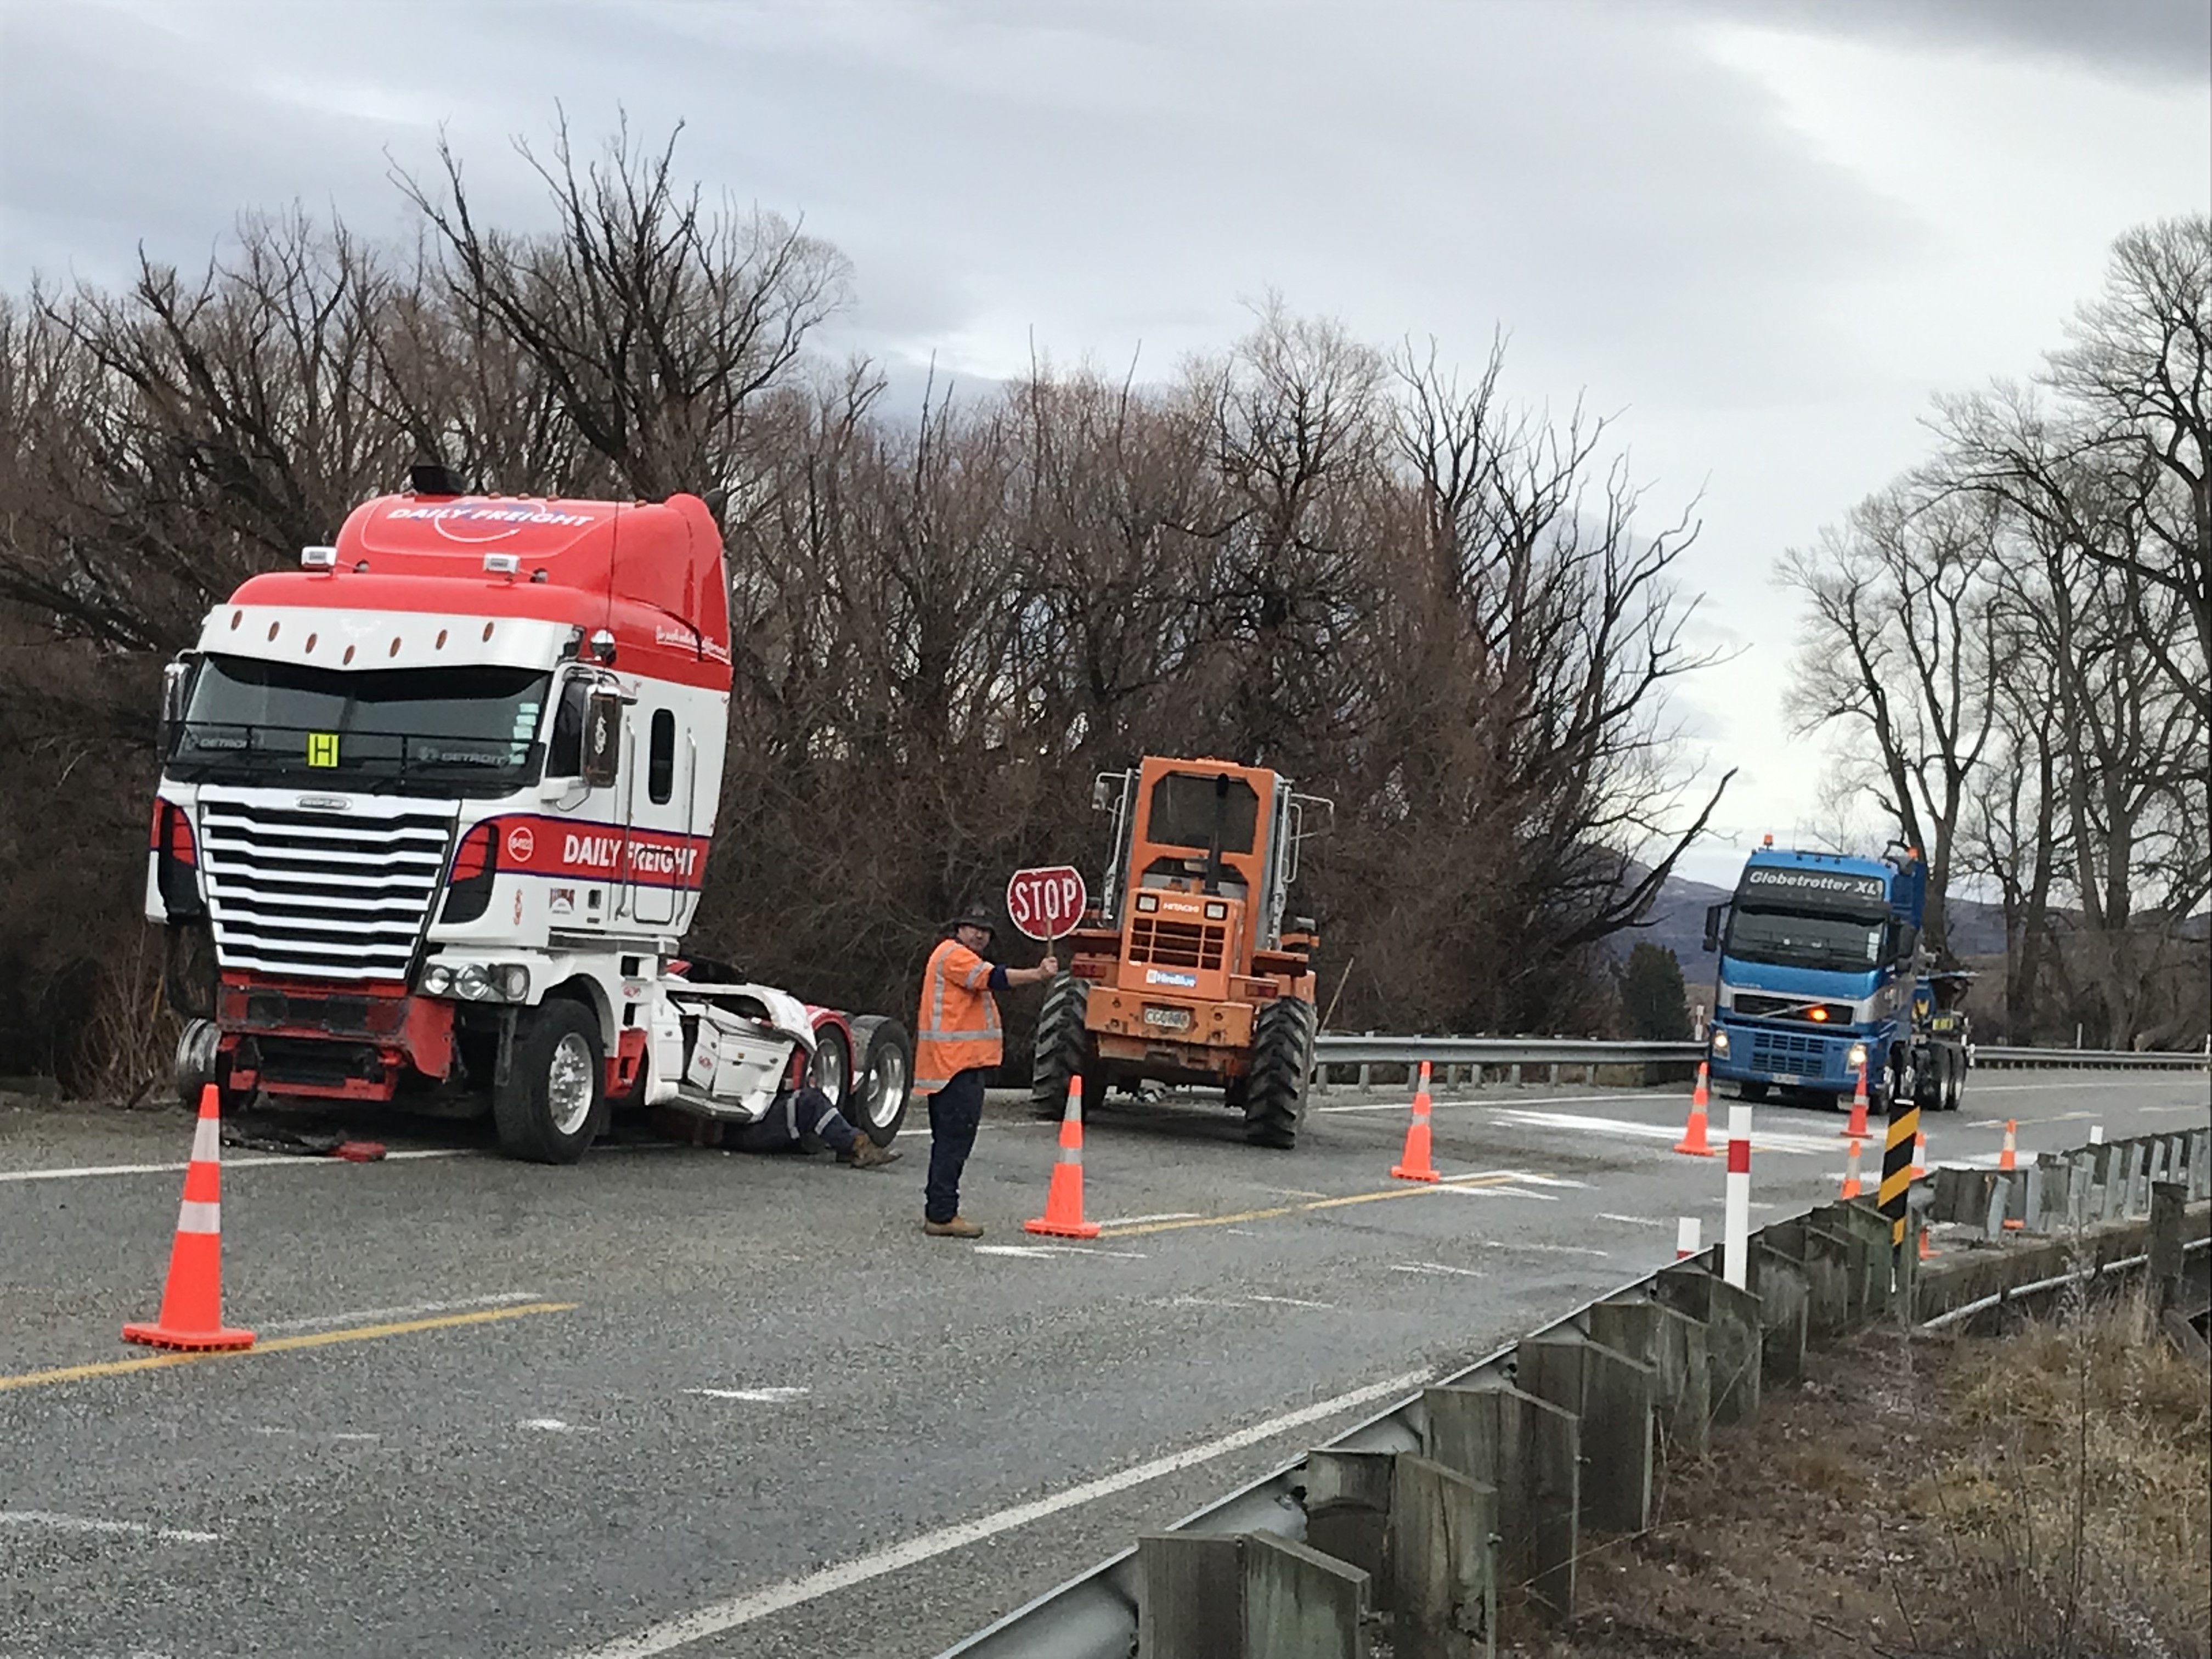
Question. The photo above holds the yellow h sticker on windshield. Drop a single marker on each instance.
(322, 749)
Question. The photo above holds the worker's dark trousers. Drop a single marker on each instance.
(955, 1112)
(800, 1112)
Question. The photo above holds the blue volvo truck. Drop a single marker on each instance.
(1821, 970)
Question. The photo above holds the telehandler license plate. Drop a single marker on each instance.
(1168, 1019)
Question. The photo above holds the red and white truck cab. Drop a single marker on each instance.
(433, 816)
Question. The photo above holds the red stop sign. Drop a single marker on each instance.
(1046, 904)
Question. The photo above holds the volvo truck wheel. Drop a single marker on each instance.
(883, 1072)
(1282, 1061)
(1061, 1050)
(549, 1107)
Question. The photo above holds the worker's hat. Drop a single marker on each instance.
(971, 918)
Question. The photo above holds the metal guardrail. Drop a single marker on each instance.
(2147, 1058)
(1353, 1049)
(1095, 1615)
(1497, 1051)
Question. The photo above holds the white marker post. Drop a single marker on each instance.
(1687, 1236)
(1736, 1230)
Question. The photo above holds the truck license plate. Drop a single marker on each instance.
(1168, 1019)
(1783, 1079)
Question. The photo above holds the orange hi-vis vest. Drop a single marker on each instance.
(958, 1026)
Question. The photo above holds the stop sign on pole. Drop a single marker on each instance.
(1046, 903)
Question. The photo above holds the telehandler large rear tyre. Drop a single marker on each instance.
(1063, 1051)
(1282, 1061)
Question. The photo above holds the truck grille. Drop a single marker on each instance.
(321, 895)
(1800, 1056)
(1175, 944)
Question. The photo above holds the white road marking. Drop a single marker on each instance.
(1761, 1139)
(554, 1425)
(1544, 1249)
(1406, 1104)
(305, 1162)
(83, 1524)
(1438, 1267)
(756, 1605)
(758, 1396)
(1500, 1192)
(1049, 1251)
(1166, 1215)
(1290, 1192)
(311, 1434)
(1238, 1302)
(1633, 1221)
(376, 1315)
(1289, 1302)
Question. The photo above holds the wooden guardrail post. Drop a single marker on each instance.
(1612, 1395)
(1674, 1344)
(1348, 1509)
(2167, 1199)
(1730, 1316)
(1252, 1595)
(1527, 1451)
(1442, 1555)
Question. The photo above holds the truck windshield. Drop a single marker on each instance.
(417, 731)
(1845, 943)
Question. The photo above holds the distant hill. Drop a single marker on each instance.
(1677, 923)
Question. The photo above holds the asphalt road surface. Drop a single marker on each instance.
(676, 1401)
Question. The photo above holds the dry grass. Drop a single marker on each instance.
(2080, 1521)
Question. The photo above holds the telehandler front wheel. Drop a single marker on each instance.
(1282, 1061)
(1063, 1051)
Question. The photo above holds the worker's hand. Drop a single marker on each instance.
(1049, 967)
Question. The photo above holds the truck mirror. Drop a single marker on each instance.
(1104, 793)
(603, 739)
(1713, 914)
(176, 689)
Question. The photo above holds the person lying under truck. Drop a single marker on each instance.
(802, 1118)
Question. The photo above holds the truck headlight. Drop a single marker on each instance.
(473, 983)
(1855, 1056)
(513, 980)
(437, 980)
(1721, 1041)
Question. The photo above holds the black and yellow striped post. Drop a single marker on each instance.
(1897, 1165)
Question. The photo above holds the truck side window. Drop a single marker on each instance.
(564, 755)
(661, 765)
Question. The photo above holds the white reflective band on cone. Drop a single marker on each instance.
(207, 1141)
(195, 1217)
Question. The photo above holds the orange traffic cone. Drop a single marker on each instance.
(1919, 1170)
(1851, 1171)
(1693, 1134)
(1856, 1128)
(191, 1301)
(1063, 1199)
(1928, 1252)
(2008, 1160)
(1413, 1162)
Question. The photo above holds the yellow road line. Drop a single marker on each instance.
(1411, 1189)
(280, 1345)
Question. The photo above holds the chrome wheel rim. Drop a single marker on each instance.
(827, 1070)
(568, 1088)
(885, 1091)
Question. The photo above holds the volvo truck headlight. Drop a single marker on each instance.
(1856, 1056)
(1721, 1041)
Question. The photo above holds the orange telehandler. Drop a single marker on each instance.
(1187, 970)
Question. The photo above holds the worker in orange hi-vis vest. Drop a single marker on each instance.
(956, 1044)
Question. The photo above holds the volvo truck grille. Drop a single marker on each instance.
(320, 895)
(1787, 1053)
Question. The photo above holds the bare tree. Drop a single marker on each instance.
(1899, 648)
(657, 318)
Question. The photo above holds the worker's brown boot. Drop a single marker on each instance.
(955, 1228)
(866, 1155)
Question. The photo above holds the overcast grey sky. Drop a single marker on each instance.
(1763, 232)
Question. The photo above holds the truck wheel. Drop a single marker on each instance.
(1954, 1078)
(831, 1066)
(1063, 1051)
(1282, 1061)
(549, 1108)
(882, 1074)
